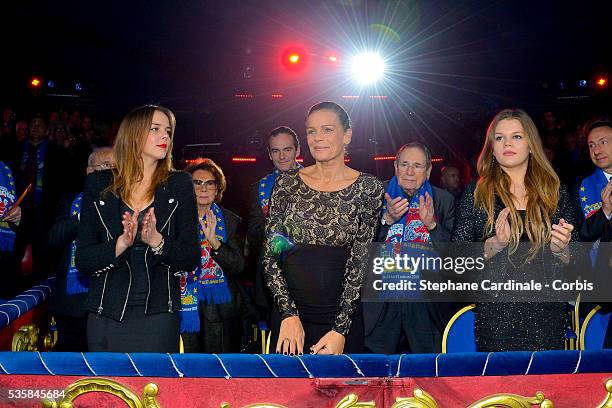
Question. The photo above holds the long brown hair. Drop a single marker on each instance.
(127, 151)
(541, 184)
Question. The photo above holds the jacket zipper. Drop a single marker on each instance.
(128, 291)
(147, 267)
(100, 308)
(169, 300)
(108, 238)
(148, 280)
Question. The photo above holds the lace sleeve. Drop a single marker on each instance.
(370, 198)
(272, 272)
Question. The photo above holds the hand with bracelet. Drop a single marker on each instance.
(500, 240)
(560, 237)
(149, 234)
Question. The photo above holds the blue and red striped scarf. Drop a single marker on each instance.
(76, 282)
(409, 228)
(207, 283)
(7, 199)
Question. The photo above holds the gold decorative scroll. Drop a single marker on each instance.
(350, 401)
(513, 401)
(608, 401)
(107, 386)
(50, 339)
(26, 338)
(421, 399)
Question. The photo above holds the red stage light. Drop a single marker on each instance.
(293, 59)
(602, 82)
(244, 159)
(35, 82)
(380, 158)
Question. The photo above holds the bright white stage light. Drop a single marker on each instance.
(368, 68)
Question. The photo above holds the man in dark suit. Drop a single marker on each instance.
(283, 149)
(415, 211)
(596, 202)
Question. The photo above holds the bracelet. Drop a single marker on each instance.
(159, 248)
(564, 252)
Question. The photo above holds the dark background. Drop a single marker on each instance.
(450, 66)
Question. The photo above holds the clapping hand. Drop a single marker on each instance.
(426, 211)
(210, 229)
(130, 228)
(561, 235)
(149, 233)
(396, 208)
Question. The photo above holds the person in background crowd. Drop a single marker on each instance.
(10, 217)
(137, 234)
(212, 302)
(518, 198)
(450, 180)
(321, 219)
(415, 211)
(69, 293)
(283, 149)
(41, 166)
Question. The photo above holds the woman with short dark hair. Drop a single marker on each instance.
(211, 301)
(321, 219)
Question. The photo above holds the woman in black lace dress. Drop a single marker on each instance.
(321, 219)
(517, 200)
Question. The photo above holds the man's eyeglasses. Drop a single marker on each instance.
(102, 166)
(208, 184)
(417, 167)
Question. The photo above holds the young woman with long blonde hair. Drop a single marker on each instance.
(525, 218)
(137, 233)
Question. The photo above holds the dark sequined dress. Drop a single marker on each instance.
(515, 325)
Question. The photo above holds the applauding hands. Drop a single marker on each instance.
(148, 234)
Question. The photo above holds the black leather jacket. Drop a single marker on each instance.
(99, 228)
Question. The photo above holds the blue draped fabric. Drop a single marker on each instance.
(353, 366)
(22, 303)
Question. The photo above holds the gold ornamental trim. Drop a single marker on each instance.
(105, 385)
(26, 338)
(513, 401)
(420, 399)
(608, 401)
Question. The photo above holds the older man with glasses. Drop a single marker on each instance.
(71, 287)
(415, 211)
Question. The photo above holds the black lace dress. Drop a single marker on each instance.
(315, 252)
(515, 325)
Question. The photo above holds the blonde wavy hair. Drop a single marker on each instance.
(127, 152)
(541, 184)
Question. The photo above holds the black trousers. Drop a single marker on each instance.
(218, 336)
(137, 333)
(409, 328)
(71, 333)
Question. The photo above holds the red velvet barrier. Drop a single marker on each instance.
(567, 390)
